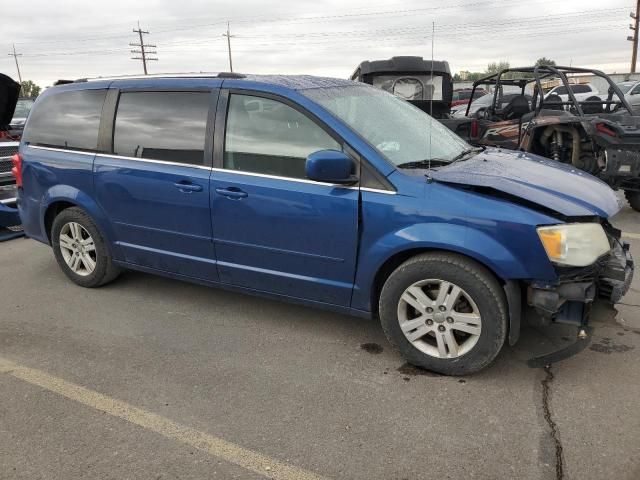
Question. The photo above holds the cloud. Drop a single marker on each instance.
(74, 39)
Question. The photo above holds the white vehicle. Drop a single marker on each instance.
(582, 92)
(631, 92)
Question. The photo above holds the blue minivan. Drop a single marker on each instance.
(320, 191)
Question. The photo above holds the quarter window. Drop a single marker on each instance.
(67, 120)
(167, 126)
(266, 136)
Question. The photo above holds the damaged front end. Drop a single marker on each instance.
(570, 299)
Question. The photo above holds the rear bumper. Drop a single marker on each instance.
(570, 301)
(8, 212)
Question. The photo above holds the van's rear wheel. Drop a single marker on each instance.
(80, 249)
(445, 313)
(634, 199)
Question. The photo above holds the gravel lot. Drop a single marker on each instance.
(154, 378)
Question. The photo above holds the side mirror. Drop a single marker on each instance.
(330, 166)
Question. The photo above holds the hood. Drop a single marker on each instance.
(552, 185)
(9, 92)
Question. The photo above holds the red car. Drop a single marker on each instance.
(461, 96)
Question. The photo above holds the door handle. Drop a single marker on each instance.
(231, 192)
(188, 187)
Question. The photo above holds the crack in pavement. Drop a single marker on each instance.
(546, 408)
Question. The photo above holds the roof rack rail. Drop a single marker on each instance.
(63, 82)
(165, 75)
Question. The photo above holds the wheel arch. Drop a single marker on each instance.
(61, 197)
(398, 258)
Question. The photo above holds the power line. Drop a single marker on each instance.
(144, 54)
(15, 57)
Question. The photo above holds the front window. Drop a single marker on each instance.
(269, 137)
(401, 132)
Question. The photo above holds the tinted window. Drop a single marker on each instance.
(68, 120)
(269, 137)
(166, 126)
(636, 90)
(560, 91)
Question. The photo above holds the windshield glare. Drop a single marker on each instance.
(398, 130)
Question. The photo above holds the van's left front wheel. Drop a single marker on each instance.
(444, 312)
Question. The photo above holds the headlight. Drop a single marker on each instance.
(574, 244)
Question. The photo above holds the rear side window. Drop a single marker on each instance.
(166, 126)
(581, 89)
(269, 137)
(67, 120)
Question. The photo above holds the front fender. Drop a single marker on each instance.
(514, 255)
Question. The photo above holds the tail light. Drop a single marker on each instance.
(475, 128)
(16, 160)
(604, 128)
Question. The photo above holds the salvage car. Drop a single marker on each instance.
(9, 219)
(319, 191)
(597, 134)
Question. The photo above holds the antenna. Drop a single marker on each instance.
(432, 90)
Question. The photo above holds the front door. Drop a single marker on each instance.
(155, 186)
(274, 230)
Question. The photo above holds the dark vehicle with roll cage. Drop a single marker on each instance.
(427, 84)
(599, 135)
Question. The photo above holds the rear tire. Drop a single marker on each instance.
(80, 249)
(634, 199)
(444, 312)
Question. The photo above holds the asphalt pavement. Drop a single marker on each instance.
(155, 378)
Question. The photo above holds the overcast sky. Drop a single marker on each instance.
(80, 38)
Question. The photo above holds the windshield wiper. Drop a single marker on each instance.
(434, 162)
(466, 153)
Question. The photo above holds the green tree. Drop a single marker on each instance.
(29, 89)
(495, 67)
(544, 61)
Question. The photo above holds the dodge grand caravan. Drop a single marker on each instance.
(319, 191)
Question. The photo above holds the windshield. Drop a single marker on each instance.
(625, 87)
(398, 130)
(22, 108)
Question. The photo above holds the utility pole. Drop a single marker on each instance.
(228, 35)
(634, 38)
(15, 57)
(144, 52)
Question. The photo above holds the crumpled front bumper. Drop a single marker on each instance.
(569, 301)
(615, 281)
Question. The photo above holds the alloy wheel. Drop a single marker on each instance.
(78, 249)
(439, 318)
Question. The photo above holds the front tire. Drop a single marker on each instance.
(444, 312)
(80, 249)
(634, 199)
